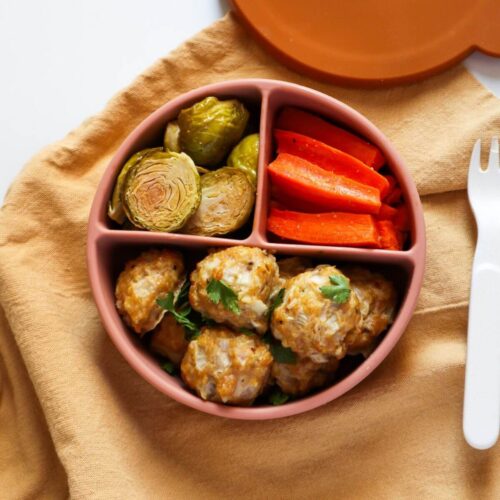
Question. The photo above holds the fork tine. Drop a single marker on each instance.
(493, 159)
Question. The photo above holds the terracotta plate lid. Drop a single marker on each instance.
(372, 42)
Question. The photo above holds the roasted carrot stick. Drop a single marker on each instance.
(334, 228)
(389, 237)
(305, 181)
(310, 125)
(402, 218)
(387, 212)
(329, 158)
(394, 196)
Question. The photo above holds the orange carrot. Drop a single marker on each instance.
(392, 182)
(393, 196)
(402, 218)
(310, 125)
(387, 212)
(334, 228)
(307, 182)
(389, 237)
(329, 158)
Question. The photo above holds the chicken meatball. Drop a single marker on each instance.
(169, 339)
(301, 377)
(251, 273)
(223, 366)
(377, 303)
(311, 324)
(291, 266)
(153, 274)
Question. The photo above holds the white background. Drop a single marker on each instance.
(61, 60)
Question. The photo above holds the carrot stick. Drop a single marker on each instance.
(389, 237)
(393, 196)
(402, 218)
(330, 159)
(310, 125)
(307, 182)
(334, 228)
(387, 212)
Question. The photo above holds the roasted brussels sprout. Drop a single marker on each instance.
(202, 170)
(245, 156)
(115, 205)
(227, 199)
(171, 138)
(162, 191)
(210, 128)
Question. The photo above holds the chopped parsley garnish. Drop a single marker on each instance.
(180, 314)
(283, 354)
(182, 296)
(246, 331)
(276, 302)
(339, 291)
(278, 397)
(169, 367)
(220, 292)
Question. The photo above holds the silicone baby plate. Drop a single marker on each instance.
(110, 247)
(372, 42)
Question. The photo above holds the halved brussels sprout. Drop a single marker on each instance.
(115, 205)
(171, 138)
(162, 191)
(202, 170)
(245, 156)
(227, 199)
(210, 128)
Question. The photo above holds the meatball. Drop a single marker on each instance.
(311, 324)
(291, 266)
(377, 303)
(250, 272)
(169, 339)
(226, 367)
(303, 376)
(153, 274)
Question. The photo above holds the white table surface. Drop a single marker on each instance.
(62, 60)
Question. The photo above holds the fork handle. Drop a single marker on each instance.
(482, 375)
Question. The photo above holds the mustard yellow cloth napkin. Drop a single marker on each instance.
(76, 420)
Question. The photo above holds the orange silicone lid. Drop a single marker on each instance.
(372, 42)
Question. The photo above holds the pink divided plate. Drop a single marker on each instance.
(110, 247)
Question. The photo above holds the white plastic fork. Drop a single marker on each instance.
(482, 374)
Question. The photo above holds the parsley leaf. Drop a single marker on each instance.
(267, 338)
(278, 397)
(276, 302)
(181, 315)
(218, 291)
(182, 296)
(283, 354)
(169, 367)
(246, 331)
(339, 291)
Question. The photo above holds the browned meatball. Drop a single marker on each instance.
(153, 274)
(312, 325)
(223, 366)
(301, 377)
(251, 273)
(291, 266)
(377, 302)
(169, 339)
